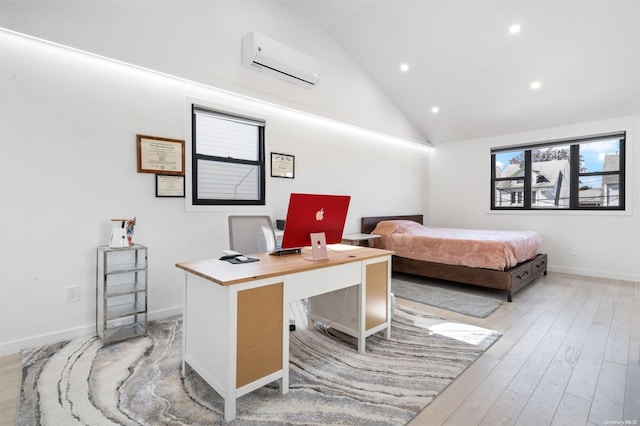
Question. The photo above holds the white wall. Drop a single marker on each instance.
(608, 244)
(200, 41)
(68, 164)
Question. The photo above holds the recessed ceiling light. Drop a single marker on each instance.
(404, 67)
(514, 29)
(535, 85)
(435, 110)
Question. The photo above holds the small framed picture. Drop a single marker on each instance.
(282, 165)
(160, 155)
(169, 186)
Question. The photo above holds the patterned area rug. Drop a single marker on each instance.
(139, 381)
(445, 296)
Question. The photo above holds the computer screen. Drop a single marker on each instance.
(311, 213)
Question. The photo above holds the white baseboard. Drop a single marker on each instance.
(165, 313)
(593, 273)
(18, 345)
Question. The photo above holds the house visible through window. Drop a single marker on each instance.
(578, 174)
(228, 163)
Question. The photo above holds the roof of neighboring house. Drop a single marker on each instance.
(544, 174)
(590, 196)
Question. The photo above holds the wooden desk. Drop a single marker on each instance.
(236, 316)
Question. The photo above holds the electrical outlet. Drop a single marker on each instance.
(72, 293)
(574, 251)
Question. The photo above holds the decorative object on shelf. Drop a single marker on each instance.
(169, 186)
(118, 233)
(121, 292)
(282, 165)
(130, 224)
(122, 233)
(160, 155)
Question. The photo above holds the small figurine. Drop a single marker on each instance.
(130, 224)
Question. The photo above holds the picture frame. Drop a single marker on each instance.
(282, 165)
(160, 155)
(170, 186)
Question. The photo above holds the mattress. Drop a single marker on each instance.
(476, 248)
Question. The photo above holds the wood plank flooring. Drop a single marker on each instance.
(569, 355)
(10, 377)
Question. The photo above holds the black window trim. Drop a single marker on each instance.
(260, 162)
(574, 177)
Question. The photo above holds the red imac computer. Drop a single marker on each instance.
(314, 214)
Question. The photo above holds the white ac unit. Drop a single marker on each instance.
(270, 56)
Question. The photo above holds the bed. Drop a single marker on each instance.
(511, 275)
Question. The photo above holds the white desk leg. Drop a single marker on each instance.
(230, 408)
(362, 344)
(362, 340)
(184, 324)
(387, 332)
(232, 352)
(284, 382)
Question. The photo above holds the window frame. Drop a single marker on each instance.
(574, 174)
(260, 162)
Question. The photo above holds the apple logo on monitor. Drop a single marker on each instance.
(320, 214)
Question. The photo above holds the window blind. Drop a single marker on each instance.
(228, 158)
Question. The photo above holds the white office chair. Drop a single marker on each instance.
(251, 234)
(254, 234)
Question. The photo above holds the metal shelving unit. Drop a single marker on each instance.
(121, 292)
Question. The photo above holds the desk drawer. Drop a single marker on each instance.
(322, 280)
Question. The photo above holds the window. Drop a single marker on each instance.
(228, 163)
(578, 174)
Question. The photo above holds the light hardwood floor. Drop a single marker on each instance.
(9, 388)
(569, 355)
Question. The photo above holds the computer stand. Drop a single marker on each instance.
(318, 247)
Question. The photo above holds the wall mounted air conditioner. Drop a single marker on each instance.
(270, 56)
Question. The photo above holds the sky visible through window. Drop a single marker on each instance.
(593, 154)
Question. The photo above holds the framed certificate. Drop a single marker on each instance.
(160, 155)
(282, 165)
(169, 186)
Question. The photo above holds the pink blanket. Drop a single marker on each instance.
(468, 247)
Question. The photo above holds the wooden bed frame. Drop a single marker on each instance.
(510, 280)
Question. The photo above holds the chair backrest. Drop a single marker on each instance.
(251, 234)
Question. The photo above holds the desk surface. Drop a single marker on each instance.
(225, 273)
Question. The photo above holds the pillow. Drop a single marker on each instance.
(386, 228)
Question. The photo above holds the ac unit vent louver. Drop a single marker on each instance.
(271, 56)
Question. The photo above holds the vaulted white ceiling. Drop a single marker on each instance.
(463, 59)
